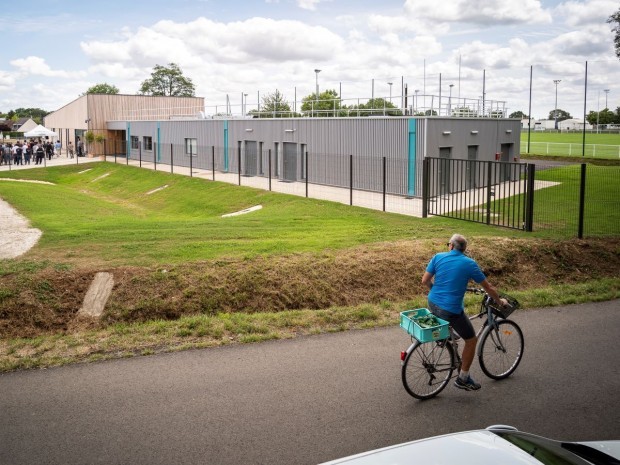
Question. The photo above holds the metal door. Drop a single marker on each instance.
(251, 157)
(290, 161)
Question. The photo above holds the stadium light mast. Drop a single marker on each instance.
(555, 111)
(606, 92)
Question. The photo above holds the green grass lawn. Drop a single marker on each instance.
(605, 146)
(99, 222)
(112, 220)
(570, 137)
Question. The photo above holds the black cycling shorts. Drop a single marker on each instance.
(459, 322)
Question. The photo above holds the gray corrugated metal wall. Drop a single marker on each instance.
(330, 142)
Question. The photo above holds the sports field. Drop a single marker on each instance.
(570, 144)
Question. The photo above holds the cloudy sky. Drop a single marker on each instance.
(55, 49)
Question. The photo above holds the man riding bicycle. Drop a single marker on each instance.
(452, 271)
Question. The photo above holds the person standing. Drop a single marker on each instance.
(447, 276)
(27, 153)
(70, 149)
(19, 151)
(40, 151)
(80, 147)
(57, 148)
(49, 150)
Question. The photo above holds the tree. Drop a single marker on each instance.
(376, 107)
(37, 114)
(562, 115)
(518, 114)
(168, 81)
(605, 116)
(273, 106)
(103, 88)
(615, 19)
(327, 104)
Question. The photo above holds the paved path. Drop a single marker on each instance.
(306, 400)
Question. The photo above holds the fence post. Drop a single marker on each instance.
(171, 158)
(529, 196)
(306, 174)
(213, 160)
(425, 186)
(270, 169)
(105, 156)
(384, 182)
(350, 179)
(191, 163)
(489, 192)
(140, 153)
(155, 156)
(239, 159)
(582, 198)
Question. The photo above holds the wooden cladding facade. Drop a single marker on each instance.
(92, 112)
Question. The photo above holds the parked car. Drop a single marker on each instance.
(494, 445)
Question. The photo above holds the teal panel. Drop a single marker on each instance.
(411, 158)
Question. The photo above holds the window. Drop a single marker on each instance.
(147, 142)
(135, 142)
(191, 147)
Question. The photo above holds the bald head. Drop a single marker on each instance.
(458, 242)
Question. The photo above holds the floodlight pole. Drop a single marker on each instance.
(555, 111)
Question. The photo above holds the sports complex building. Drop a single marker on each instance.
(379, 152)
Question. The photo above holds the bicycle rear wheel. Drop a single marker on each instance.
(427, 368)
(501, 349)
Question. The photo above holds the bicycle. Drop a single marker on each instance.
(428, 366)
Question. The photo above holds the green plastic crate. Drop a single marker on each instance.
(408, 323)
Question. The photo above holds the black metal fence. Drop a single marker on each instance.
(565, 199)
(570, 200)
(493, 193)
(577, 199)
(379, 175)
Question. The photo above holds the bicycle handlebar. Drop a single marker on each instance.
(476, 290)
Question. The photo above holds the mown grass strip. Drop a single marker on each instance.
(202, 331)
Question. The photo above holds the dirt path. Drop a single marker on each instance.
(16, 235)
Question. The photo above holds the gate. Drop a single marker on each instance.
(489, 192)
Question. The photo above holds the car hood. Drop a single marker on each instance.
(608, 447)
(479, 447)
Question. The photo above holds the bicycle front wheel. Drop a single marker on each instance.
(501, 349)
(427, 368)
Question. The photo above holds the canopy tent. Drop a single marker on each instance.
(40, 131)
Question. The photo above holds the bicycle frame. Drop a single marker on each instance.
(490, 321)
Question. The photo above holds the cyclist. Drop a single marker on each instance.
(452, 271)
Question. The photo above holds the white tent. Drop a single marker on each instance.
(40, 131)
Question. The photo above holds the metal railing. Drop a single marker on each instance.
(489, 192)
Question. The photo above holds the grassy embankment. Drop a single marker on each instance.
(188, 278)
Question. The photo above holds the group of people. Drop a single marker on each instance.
(21, 153)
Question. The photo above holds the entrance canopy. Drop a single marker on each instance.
(40, 131)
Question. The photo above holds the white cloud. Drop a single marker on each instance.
(37, 66)
(590, 12)
(308, 4)
(7, 81)
(203, 42)
(483, 12)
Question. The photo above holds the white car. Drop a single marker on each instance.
(495, 445)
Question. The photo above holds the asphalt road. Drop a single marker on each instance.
(306, 400)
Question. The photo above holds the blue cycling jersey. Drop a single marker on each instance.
(452, 271)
